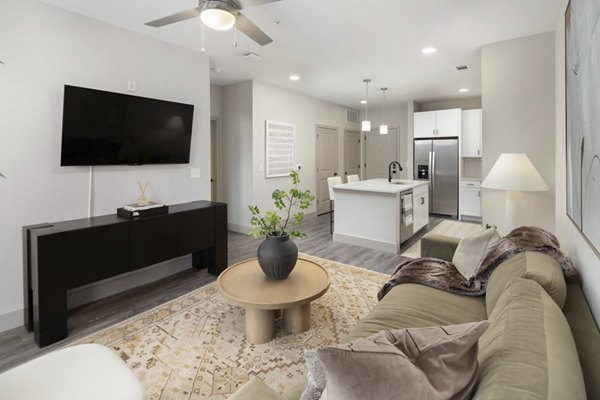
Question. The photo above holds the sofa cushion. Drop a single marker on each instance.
(255, 389)
(472, 249)
(414, 363)
(411, 305)
(530, 265)
(528, 351)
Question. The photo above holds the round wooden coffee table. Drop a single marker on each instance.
(244, 284)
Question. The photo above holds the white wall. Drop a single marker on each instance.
(236, 140)
(469, 103)
(44, 48)
(519, 117)
(277, 104)
(572, 241)
(216, 95)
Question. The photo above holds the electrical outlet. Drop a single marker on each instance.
(131, 86)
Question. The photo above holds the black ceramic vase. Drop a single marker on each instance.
(277, 256)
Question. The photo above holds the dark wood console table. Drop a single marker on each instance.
(65, 255)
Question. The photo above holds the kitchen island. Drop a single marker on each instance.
(379, 214)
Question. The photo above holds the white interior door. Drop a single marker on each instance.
(214, 160)
(380, 152)
(351, 153)
(326, 165)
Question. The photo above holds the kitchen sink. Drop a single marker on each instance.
(401, 182)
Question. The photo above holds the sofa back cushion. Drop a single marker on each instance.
(530, 265)
(528, 351)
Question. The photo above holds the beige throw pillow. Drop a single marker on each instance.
(419, 363)
(471, 250)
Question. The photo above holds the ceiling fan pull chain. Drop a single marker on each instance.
(202, 37)
(234, 37)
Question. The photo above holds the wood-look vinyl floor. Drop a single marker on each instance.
(17, 345)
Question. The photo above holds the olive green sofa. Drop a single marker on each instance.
(542, 342)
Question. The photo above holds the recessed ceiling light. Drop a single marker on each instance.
(294, 77)
(363, 102)
(463, 90)
(429, 50)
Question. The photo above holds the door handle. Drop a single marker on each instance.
(422, 200)
(433, 170)
(335, 174)
(345, 172)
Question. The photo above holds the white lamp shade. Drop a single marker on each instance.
(383, 129)
(366, 126)
(215, 18)
(514, 171)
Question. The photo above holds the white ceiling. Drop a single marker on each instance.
(334, 44)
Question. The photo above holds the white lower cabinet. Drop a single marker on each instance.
(470, 199)
(420, 207)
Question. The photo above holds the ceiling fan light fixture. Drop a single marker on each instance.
(215, 18)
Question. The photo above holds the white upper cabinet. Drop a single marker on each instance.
(471, 133)
(442, 123)
(425, 124)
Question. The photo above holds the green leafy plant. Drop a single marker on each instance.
(272, 223)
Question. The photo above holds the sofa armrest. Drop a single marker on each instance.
(255, 389)
(438, 246)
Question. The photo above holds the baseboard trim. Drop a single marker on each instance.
(364, 242)
(238, 228)
(11, 320)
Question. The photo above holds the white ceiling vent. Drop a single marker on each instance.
(463, 67)
(252, 57)
(352, 116)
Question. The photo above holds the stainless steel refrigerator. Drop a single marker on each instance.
(436, 161)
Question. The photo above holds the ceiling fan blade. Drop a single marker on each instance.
(177, 17)
(248, 28)
(252, 3)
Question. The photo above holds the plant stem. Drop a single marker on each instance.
(291, 200)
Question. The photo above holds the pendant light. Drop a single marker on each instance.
(383, 128)
(366, 124)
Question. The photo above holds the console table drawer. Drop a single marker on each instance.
(152, 240)
(196, 230)
(96, 253)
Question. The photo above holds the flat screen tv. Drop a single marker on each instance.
(104, 128)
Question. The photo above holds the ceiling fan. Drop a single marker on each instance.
(221, 15)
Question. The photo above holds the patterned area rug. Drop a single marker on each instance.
(446, 227)
(194, 347)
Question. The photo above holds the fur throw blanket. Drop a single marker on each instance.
(443, 275)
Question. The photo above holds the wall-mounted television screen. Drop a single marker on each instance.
(104, 128)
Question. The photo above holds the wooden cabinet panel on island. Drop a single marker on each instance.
(420, 207)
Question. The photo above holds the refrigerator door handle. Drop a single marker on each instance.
(432, 155)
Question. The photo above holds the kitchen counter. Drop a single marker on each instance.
(381, 185)
(379, 214)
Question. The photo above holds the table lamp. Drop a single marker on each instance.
(514, 172)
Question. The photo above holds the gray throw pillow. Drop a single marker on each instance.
(316, 376)
(471, 251)
(420, 363)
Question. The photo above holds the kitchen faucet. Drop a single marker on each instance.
(390, 172)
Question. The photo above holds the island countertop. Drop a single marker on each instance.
(380, 185)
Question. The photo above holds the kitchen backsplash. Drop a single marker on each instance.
(471, 168)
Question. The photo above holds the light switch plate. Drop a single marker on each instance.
(131, 86)
(195, 173)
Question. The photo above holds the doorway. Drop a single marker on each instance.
(380, 151)
(326, 165)
(214, 160)
(351, 153)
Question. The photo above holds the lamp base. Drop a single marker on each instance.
(512, 210)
